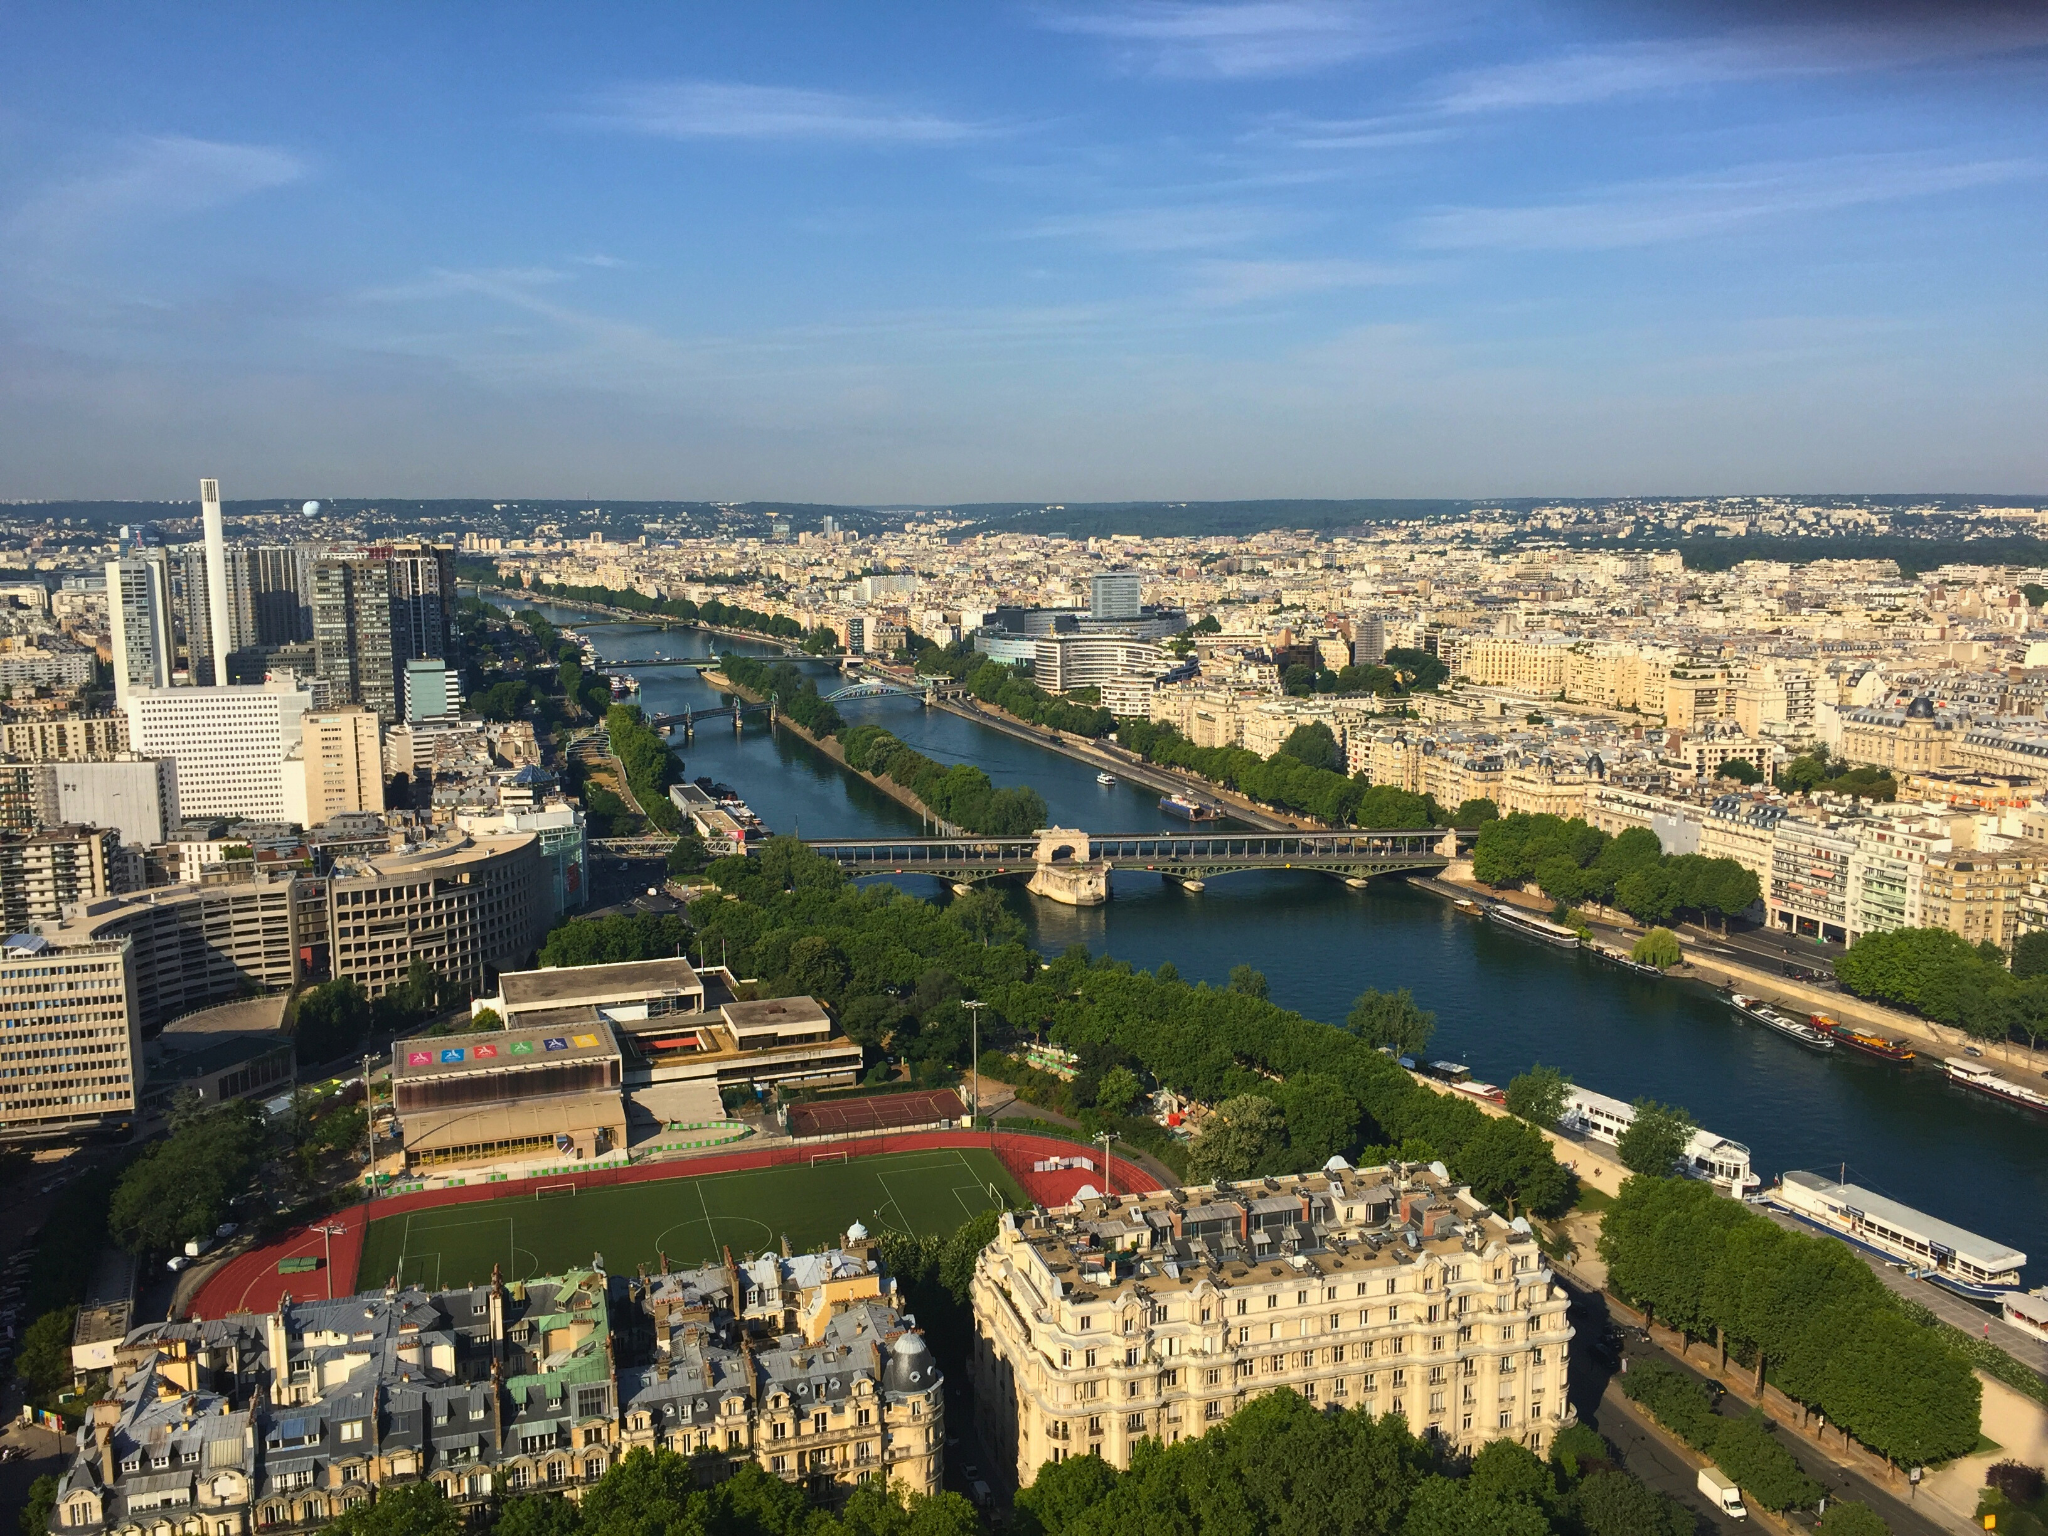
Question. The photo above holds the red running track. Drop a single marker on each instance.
(251, 1283)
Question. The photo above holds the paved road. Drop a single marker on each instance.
(1647, 1454)
(1946, 1305)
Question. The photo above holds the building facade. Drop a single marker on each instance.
(70, 1042)
(139, 623)
(65, 738)
(41, 873)
(469, 905)
(229, 744)
(1120, 1319)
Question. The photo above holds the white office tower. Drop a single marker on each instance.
(220, 626)
(139, 616)
(1116, 595)
(338, 766)
(230, 743)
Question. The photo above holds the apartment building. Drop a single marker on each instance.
(285, 1421)
(43, 872)
(1528, 664)
(1809, 886)
(338, 767)
(65, 738)
(1912, 740)
(1124, 1318)
(70, 1035)
(1982, 894)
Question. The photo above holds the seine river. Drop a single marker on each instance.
(1501, 1002)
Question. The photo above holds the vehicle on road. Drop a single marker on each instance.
(1721, 1490)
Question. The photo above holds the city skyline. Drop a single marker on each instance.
(1133, 251)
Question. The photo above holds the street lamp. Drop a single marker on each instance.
(327, 1236)
(1108, 1179)
(974, 1093)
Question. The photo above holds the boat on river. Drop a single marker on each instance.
(1881, 1046)
(1105, 778)
(1717, 1160)
(1190, 809)
(1757, 1011)
(1518, 921)
(1977, 1267)
(1624, 959)
(1984, 1080)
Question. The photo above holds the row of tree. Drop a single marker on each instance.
(1944, 977)
(962, 794)
(649, 765)
(1010, 690)
(777, 626)
(1305, 775)
(1572, 862)
(1744, 1447)
(1282, 1464)
(1804, 1311)
(794, 692)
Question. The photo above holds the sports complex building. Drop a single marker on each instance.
(509, 1094)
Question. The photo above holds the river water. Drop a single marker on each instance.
(1501, 1002)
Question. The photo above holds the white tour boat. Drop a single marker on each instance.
(1963, 1262)
(1721, 1162)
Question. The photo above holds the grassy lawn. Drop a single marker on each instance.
(1591, 1199)
(689, 1219)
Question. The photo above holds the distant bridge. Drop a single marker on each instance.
(1189, 857)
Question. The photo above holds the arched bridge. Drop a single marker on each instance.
(1189, 857)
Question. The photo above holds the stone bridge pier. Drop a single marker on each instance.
(1065, 872)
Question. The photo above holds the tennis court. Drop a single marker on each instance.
(689, 1219)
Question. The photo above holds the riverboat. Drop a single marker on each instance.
(1720, 1162)
(1984, 1080)
(623, 683)
(1466, 905)
(1758, 1011)
(1881, 1046)
(1480, 1090)
(1626, 961)
(1105, 778)
(1528, 923)
(1190, 809)
(1956, 1260)
(2027, 1311)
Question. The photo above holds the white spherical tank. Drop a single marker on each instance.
(311, 509)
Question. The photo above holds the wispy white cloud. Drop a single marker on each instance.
(1199, 227)
(1390, 131)
(150, 178)
(1224, 283)
(1709, 204)
(710, 109)
(1256, 37)
(599, 259)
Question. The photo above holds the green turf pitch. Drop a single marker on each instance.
(690, 1219)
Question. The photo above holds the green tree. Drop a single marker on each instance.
(181, 1188)
(1655, 1140)
(1313, 743)
(406, 1509)
(1245, 980)
(1391, 1019)
(44, 1363)
(614, 939)
(1845, 1517)
(2030, 954)
(688, 856)
(817, 968)
(1539, 1095)
(1507, 1162)
(1245, 1135)
(1658, 947)
(1740, 769)
(537, 1514)
(1119, 1090)
(331, 1020)
(1610, 1503)
(1765, 1471)
(40, 1507)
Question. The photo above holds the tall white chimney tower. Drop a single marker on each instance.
(216, 578)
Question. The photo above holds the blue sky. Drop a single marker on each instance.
(988, 250)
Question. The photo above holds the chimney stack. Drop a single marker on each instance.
(217, 607)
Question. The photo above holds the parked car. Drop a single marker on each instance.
(176, 1262)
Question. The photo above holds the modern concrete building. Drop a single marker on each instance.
(561, 831)
(221, 636)
(352, 635)
(229, 744)
(470, 905)
(339, 766)
(65, 738)
(136, 796)
(199, 944)
(139, 623)
(69, 1035)
(508, 1094)
(1120, 1319)
(1116, 596)
(41, 873)
(433, 689)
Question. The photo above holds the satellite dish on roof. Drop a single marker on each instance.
(311, 509)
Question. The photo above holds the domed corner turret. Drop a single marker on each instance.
(856, 1233)
(910, 1370)
(1921, 708)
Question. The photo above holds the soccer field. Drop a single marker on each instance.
(689, 1218)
